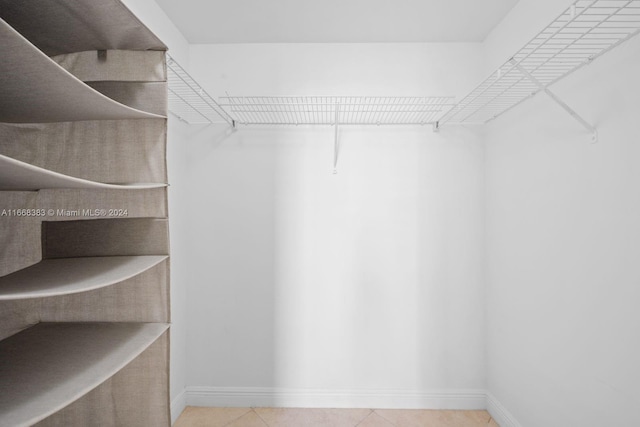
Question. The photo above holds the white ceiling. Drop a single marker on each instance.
(335, 21)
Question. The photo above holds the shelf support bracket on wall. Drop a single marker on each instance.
(592, 129)
(335, 141)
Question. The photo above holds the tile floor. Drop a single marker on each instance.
(279, 417)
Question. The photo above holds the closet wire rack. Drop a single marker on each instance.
(332, 110)
(188, 101)
(585, 31)
(192, 104)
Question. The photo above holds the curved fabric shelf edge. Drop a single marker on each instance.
(66, 26)
(16, 175)
(84, 355)
(35, 89)
(66, 276)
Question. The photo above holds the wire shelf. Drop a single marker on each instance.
(189, 101)
(585, 31)
(329, 110)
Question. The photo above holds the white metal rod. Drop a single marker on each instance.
(335, 141)
(500, 92)
(190, 106)
(321, 110)
(263, 123)
(575, 115)
(561, 103)
(569, 43)
(501, 75)
(590, 30)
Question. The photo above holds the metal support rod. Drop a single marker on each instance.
(592, 129)
(335, 141)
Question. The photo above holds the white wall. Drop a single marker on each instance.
(373, 279)
(562, 251)
(328, 286)
(153, 17)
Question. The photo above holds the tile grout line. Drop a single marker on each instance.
(365, 417)
(236, 419)
(262, 419)
(392, 423)
(371, 412)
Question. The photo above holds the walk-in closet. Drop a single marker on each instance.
(319, 214)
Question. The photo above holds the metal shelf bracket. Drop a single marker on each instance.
(336, 111)
(585, 31)
(336, 144)
(592, 129)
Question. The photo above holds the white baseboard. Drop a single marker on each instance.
(314, 398)
(306, 398)
(499, 413)
(177, 405)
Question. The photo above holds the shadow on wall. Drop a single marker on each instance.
(363, 280)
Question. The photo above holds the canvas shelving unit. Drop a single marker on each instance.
(84, 242)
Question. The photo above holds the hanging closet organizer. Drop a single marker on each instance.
(84, 258)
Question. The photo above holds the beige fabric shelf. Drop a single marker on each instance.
(66, 26)
(65, 276)
(16, 175)
(50, 365)
(35, 89)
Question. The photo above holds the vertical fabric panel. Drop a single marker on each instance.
(110, 151)
(19, 235)
(115, 65)
(105, 237)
